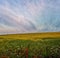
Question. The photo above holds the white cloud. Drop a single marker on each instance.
(24, 19)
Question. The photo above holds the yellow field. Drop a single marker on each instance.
(31, 36)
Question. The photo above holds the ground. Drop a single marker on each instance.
(32, 45)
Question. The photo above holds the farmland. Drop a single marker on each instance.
(31, 36)
(35, 45)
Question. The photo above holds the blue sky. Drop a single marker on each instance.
(24, 16)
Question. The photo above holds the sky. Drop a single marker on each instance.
(26, 16)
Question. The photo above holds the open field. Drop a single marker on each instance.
(31, 36)
(46, 45)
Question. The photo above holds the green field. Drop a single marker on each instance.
(40, 45)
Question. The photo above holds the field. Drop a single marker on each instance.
(35, 45)
(31, 36)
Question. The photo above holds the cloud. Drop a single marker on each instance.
(13, 19)
(35, 8)
(19, 16)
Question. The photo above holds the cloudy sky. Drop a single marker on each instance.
(23, 16)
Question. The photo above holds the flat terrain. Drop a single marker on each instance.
(31, 36)
(32, 45)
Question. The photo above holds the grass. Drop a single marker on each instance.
(17, 48)
(31, 36)
(33, 46)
